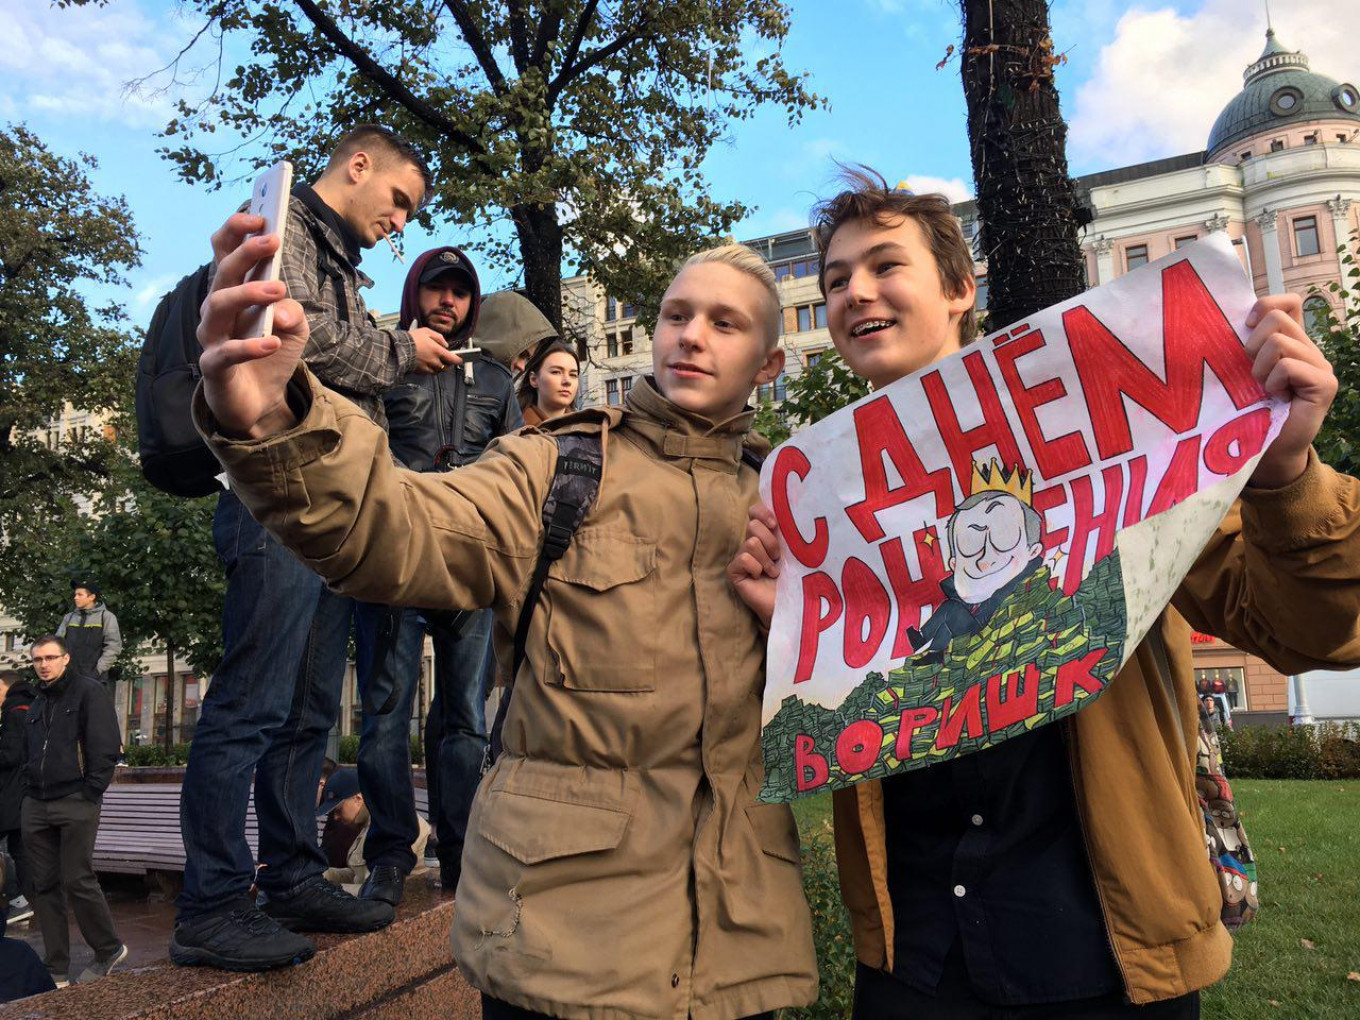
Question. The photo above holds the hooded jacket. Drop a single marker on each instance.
(442, 421)
(93, 639)
(13, 712)
(509, 326)
(617, 862)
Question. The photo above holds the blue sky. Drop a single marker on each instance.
(1144, 80)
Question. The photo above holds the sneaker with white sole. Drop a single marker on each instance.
(103, 968)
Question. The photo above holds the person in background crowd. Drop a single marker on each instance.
(16, 697)
(618, 863)
(91, 633)
(21, 969)
(1063, 873)
(276, 694)
(348, 821)
(550, 382)
(440, 423)
(509, 328)
(70, 750)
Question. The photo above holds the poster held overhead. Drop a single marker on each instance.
(974, 550)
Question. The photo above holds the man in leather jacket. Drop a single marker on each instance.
(437, 423)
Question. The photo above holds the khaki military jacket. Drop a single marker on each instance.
(617, 862)
(1281, 579)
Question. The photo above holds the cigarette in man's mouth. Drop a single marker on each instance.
(395, 251)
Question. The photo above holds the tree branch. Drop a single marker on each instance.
(383, 79)
(578, 36)
(594, 58)
(548, 30)
(519, 42)
(477, 43)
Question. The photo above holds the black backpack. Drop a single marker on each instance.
(174, 457)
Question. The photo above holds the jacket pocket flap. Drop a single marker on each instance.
(602, 558)
(537, 810)
(776, 830)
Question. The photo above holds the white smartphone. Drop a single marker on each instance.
(269, 198)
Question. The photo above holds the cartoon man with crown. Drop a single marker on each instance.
(994, 548)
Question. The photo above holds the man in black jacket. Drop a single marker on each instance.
(436, 423)
(71, 748)
(15, 699)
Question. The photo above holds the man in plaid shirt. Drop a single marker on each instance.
(276, 695)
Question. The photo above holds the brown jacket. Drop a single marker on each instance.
(1278, 579)
(617, 863)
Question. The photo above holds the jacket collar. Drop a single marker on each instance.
(334, 222)
(57, 687)
(679, 434)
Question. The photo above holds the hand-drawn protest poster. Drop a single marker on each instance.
(975, 550)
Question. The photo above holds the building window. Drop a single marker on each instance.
(781, 387)
(1135, 256)
(1223, 680)
(611, 392)
(1317, 316)
(611, 309)
(1306, 236)
(1341, 137)
(1310, 139)
(1276, 145)
(980, 302)
(627, 311)
(611, 345)
(627, 384)
(1181, 242)
(796, 269)
(626, 341)
(813, 357)
(802, 318)
(1246, 155)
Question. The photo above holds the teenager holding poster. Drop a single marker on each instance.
(617, 862)
(1063, 872)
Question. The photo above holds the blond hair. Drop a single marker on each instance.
(744, 260)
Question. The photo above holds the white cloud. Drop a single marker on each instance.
(953, 188)
(1158, 86)
(151, 291)
(76, 63)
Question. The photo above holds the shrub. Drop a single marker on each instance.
(1326, 751)
(830, 931)
(155, 755)
(349, 750)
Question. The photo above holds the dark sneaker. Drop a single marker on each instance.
(244, 939)
(385, 882)
(61, 980)
(19, 911)
(449, 875)
(103, 967)
(318, 905)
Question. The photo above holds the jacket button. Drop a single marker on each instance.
(675, 980)
(960, 891)
(977, 819)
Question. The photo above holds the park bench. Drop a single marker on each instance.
(139, 828)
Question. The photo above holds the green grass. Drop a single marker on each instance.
(1307, 841)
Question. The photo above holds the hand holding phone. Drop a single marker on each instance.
(268, 198)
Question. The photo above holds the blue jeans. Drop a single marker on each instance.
(455, 735)
(271, 704)
(388, 642)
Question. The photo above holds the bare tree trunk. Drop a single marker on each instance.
(1026, 201)
(169, 695)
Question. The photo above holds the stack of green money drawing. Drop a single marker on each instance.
(1037, 625)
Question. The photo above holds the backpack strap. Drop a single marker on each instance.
(575, 484)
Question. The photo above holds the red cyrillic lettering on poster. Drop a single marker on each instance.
(866, 602)
(818, 591)
(1086, 522)
(1053, 457)
(1045, 500)
(912, 594)
(962, 444)
(1133, 504)
(1012, 699)
(879, 431)
(858, 745)
(1181, 478)
(1232, 446)
(1194, 334)
(913, 719)
(793, 461)
(1077, 673)
(809, 767)
(965, 716)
